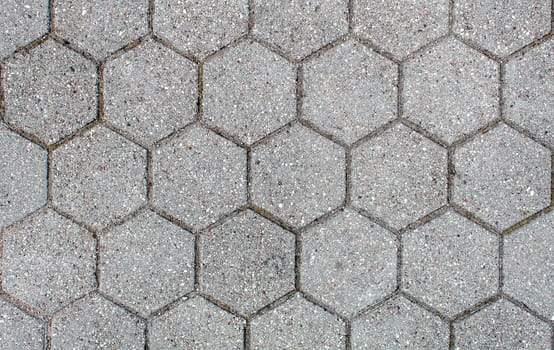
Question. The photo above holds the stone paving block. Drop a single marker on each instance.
(502, 325)
(451, 90)
(196, 324)
(22, 22)
(450, 263)
(300, 27)
(199, 176)
(201, 27)
(399, 324)
(502, 177)
(348, 262)
(48, 261)
(95, 323)
(249, 91)
(399, 176)
(529, 92)
(529, 264)
(298, 175)
(150, 91)
(19, 330)
(99, 177)
(247, 262)
(50, 92)
(297, 324)
(22, 177)
(400, 27)
(501, 26)
(100, 27)
(147, 262)
(349, 91)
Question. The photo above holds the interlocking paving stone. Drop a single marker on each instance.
(22, 177)
(99, 177)
(199, 176)
(297, 324)
(451, 90)
(147, 262)
(399, 176)
(201, 27)
(501, 26)
(349, 91)
(399, 324)
(19, 330)
(529, 92)
(249, 91)
(48, 260)
(529, 264)
(247, 262)
(502, 177)
(348, 262)
(298, 175)
(100, 27)
(150, 91)
(22, 22)
(50, 92)
(502, 325)
(95, 323)
(400, 27)
(451, 263)
(300, 27)
(196, 324)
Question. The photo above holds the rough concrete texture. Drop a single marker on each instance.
(279, 174)
(150, 91)
(50, 92)
(297, 324)
(247, 262)
(399, 324)
(196, 324)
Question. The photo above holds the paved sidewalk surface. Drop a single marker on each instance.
(285, 174)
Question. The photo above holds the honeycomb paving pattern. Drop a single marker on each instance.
(284, 174)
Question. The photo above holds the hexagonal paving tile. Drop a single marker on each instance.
(22, 22)
(399, 176)
(50, 92)
(502, 177)
(451, 263)
(501, 26)
(400, 27)
(199, 176)
(297, 324)
(101, 26)
(18, 330)
(201, 27)
(529, 264)
(249, 91)
(348, 262)
(247, 262)
(95, 323)
(451, 90)
(147, 262)
(349, 91)
(300, 27)
(399, 324)
(298, 175)
(48, 261)
(150, 91)
(196, 324)
(99, 177)
(529, 92)
(22, 177)
(502, 325)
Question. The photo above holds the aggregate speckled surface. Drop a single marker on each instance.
(284, 174)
